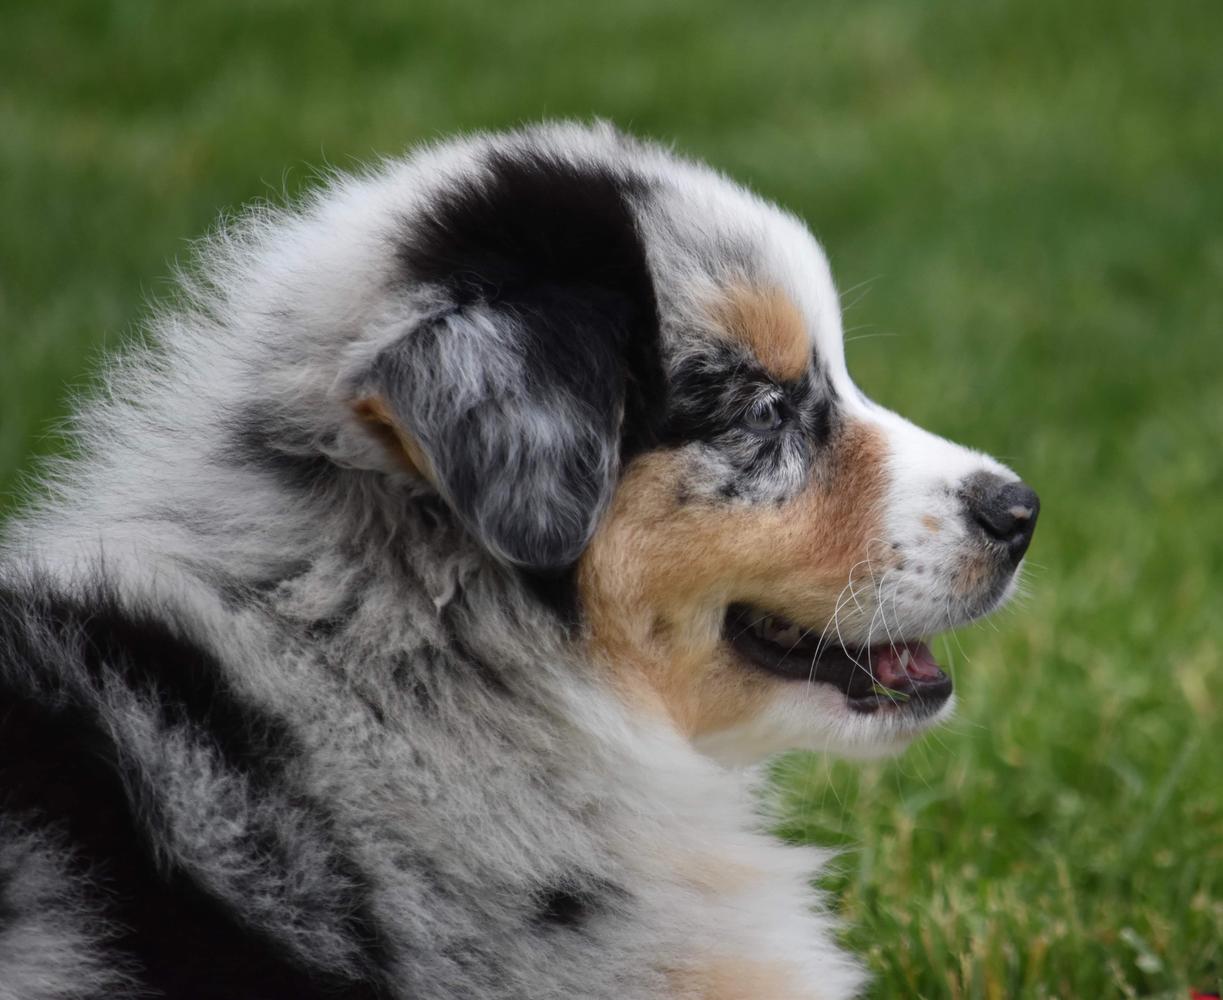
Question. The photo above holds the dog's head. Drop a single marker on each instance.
(625, 372)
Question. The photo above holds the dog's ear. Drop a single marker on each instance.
(514, 392)
(514, 422)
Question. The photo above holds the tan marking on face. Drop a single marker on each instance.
(377, 415)
(770, 324)
(734, 978)
(932, 524)
(658, 576)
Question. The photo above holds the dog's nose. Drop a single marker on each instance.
(1005, 510)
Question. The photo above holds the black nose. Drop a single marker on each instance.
(1005, 510)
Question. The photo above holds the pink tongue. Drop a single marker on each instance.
(888, 671)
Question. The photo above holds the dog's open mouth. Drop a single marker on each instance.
(901, 674)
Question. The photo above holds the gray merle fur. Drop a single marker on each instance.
(281, 718)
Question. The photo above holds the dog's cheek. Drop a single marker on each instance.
(817, 555)
(652, 586)
(842, 512)
(658, 575)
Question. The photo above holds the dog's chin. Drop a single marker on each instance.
(815, 717)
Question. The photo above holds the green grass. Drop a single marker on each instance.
(1027, 197)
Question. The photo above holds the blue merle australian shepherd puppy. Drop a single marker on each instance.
(416, 604)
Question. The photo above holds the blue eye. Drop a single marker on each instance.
(763, 416)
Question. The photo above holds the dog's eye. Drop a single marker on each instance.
(763, 416)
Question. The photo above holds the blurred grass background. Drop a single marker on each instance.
(1024, 202)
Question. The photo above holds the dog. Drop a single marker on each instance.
(419, 597)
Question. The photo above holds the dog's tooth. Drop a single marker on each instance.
(904, 658)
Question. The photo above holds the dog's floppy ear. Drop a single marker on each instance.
(516, 388)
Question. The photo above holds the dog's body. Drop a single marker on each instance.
(402, 624)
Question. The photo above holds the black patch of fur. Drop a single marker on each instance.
(564, 908)
(712, 391)
(559, 592)
(557, 244)
(63, 768)
(549, 250)
(814, 402)
(109, 643)
(259, 438)
(573, 902)
(8, 911)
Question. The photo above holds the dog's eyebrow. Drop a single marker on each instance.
(767, 321)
